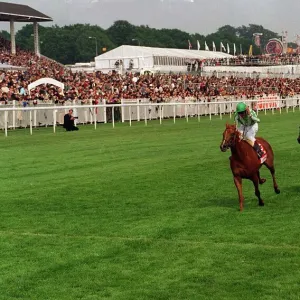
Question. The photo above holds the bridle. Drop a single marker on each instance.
(231, 142)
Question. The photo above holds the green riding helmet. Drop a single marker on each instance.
(241, 107)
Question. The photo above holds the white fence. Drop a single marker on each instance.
(12, 117)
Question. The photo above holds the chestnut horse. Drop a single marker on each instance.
(245, 163)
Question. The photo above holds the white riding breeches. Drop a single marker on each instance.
(248, 132)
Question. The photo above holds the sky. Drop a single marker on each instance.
(193, 16)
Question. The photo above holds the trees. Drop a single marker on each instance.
(122, 33)
(71, 44)
(67, 44)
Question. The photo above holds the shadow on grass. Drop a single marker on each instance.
(232, 202)
(222, 202)
(293, 189)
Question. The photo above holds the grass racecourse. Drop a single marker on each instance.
(146, 213)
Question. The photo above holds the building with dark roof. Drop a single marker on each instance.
(10, 12)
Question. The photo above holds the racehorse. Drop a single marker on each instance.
(298, 139)
(245, 163)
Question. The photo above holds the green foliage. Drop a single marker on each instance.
(5, 34)
(122, 33)
(70, 44)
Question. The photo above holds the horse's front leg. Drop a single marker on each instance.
(238, 184)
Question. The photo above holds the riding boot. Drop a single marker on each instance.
(257, 148)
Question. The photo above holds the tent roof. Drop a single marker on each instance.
(138, 51)
(21, 13)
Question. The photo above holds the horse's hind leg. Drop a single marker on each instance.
(261, 180)
(255, 180)
(270, 166)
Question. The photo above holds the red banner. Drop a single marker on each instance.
(268, 102)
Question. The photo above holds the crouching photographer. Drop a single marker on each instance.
(69, 121)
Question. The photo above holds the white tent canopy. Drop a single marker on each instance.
(152, 58)
(45, 81)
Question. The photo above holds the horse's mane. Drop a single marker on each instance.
(232, 128)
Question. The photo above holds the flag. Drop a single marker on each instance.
(206, 47)
(190, 45)
(250, 50)
(198, 45)
(222, 47)
(214, 47)
(234, 49)
(228, 49)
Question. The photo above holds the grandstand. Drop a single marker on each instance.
(114, 78)
(10, 12)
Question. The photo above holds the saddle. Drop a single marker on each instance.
(263, 153)
(260, 151)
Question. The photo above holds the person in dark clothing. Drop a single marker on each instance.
(69, 121)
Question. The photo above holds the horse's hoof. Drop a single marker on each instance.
(262, 181)
(261, 204)
(277, 191)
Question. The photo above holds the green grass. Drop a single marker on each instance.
(146, 213)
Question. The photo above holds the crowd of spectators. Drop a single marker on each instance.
(113, 87)
(257, 60)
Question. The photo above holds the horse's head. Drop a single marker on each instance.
(229, 137)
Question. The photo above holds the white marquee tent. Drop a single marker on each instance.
(137, 58)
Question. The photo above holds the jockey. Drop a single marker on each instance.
(247, 124)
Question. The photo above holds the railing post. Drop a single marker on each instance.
(130, 115)
(34, 118)
(122, 110)
(30, 121)
(145, 115)
(92, 112)
(95, 118)
(75, 112)
(104, 110)
(174, 113)
(280, 106)
(138, 110)
(113, 116)
(14, 115)
(150, 114)
(54, 120)
(293, 103)
(160, 114)
(5, 122)
(186, 112)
